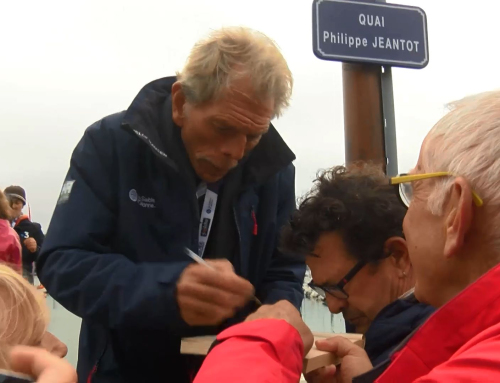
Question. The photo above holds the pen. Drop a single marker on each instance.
(195, 257)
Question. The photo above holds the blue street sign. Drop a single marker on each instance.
(357, 31)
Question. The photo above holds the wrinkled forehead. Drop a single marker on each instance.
(244, 97)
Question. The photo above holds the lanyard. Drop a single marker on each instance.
(207, 213)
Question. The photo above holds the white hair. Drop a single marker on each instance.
(233, 53)
(466, 142)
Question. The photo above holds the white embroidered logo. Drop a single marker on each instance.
(65, 191)
(133, 195)
(147, 202)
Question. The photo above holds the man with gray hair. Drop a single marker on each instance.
(194, 163)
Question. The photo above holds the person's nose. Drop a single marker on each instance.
(235, 147)
(335, 305)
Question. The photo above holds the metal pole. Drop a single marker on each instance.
(391, 149)
(363, 115)
(369, 121)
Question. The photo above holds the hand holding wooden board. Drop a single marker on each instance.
(313, 360)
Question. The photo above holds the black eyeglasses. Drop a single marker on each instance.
(337, 290)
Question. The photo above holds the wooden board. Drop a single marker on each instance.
(314, 359)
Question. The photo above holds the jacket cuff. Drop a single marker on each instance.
(277, 332)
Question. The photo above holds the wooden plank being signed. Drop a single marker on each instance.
(314, 359)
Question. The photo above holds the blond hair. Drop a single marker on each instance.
(231, 53)
(23, 313)
(466, 142)
(5, 209)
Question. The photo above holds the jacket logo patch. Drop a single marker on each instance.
(65, 192)
(133, 195)
(146, 202)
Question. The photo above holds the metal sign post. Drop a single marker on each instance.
(369, 38)
(391, 149)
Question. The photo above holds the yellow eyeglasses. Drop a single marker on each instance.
(405, 187)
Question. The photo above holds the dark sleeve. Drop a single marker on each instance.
(285, 276)
(78, 266)
(37, 234)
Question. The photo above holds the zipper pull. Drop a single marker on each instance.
(255, 226)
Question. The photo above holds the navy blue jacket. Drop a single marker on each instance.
(392, 325)
(114, 248)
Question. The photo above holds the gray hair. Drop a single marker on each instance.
(232, 53)
(466, 142)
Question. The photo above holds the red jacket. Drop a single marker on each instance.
(10, 248)
(263, 351)
(459, 343)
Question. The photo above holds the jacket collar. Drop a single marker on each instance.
(148, 118)
(393, 324)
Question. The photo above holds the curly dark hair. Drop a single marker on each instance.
(356, 202)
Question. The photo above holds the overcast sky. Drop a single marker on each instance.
(65, 64)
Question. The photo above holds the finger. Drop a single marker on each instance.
(221, 265)
(329, 373)
(41, 365)
(321, 375)
(204, 312)
(339, 346)
(306, 335)
(225, 280)
(212, 295)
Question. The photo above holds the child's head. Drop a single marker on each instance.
(23, 313)
(17, 199)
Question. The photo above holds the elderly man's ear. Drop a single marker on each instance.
(178, 102)
(397, 251)
(458, 212)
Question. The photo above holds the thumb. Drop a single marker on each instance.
(339, 346)
(42, 365)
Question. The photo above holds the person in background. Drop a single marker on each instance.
(194, 162)
(30, 233)
(10, 247)
(349, 226)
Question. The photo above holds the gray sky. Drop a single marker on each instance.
(65, 64)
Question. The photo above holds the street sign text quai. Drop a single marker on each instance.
(357, 31)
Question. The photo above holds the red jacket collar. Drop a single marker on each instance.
(448, 329)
